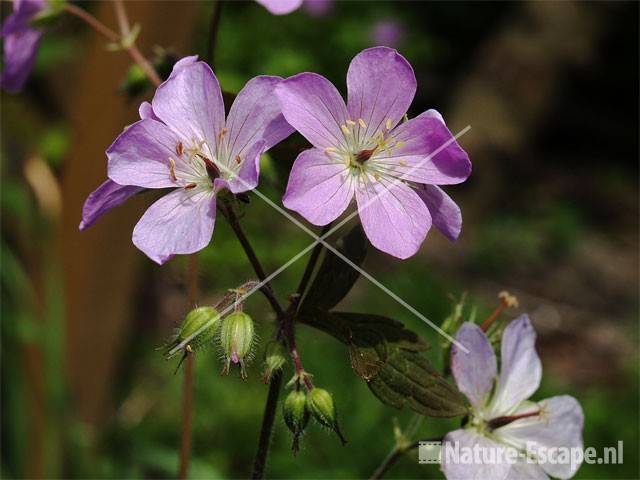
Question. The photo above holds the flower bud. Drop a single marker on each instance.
(197, 330)
(236, 338)
(296, 416)
(274, 359)
(320, 405)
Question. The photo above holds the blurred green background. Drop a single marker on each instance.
(550, 90)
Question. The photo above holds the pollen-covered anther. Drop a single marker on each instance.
(172, 170)
(179, 149)
(388, 124)
(222, 133)
(362, 124)
(508, 299)
(189, 186)
(238, 159)
(351, 123)
(345, 129)
(403, 162)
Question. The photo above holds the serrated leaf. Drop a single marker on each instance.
(335, 277)
(389, 358)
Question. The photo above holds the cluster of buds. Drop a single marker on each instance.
(302, 404)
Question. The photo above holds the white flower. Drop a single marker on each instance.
(502, 417)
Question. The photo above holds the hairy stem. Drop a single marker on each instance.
(266, 429)
(114, 37)
(395, 454)
(187, 387)
(266, 289)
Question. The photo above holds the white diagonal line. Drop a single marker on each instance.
(334, 250)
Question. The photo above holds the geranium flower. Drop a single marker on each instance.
(363, 149)
(283, 7)
(184, 142)
(501, 414)
(21, 42)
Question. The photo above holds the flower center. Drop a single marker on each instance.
(498, 422)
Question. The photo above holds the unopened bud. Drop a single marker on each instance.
(274, 359)
(197, 330)
(296, 416)
(236, 338)
(320, 405)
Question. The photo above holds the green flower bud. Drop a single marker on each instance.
(274, 359)
(135, 81)
(198, 329)
(236, 339)
(296, 416)
(320, 404)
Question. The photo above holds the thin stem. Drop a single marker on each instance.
(187, 387)
(121, 15)
(113, 37)
(313, 259)
(214, 25)
(266, 289)
(92, 21)
(266, 429)
(491, 318)
(395, 454)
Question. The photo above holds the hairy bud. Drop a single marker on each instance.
(236, 339)
(321, 406)
(274, 359)
(296, 416)
(197, 330)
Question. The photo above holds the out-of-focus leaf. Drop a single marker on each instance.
(389, 358)
(335, 277)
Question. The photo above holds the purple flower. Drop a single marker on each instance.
(20, 43)
(502, 416)
(388, 32)
(184, 142)
(316, 8)
(364, 149)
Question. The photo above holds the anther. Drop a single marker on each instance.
(190, 186)
(362, 124)
(223, 132)
(238, 159)
(388, 124)
(172, 170)
(179, 148)
(345, 130)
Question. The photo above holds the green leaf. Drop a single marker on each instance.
(389, 358)
(335, 277)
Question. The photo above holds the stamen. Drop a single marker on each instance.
(190, 186)
(351, 123)
(179, 148)
(330, 150)
(403, 162)
(223, 132)
(172, 169)
(238, 159)
(362, 124)
(388, 124)
(345, 130)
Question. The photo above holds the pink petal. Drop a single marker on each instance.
(181, 222)
(526, 471)
(104, 198)
(256, 116)
(140, 155)
(428, 152)
(475, 372)
(560, 425)
(393, 216)
(313, 106)
(145, 110)
(247, 175)
(521, 368)
(445, 213)
(319, 188)
(381, 86)
(280, 7)
(190, 103)
(457, 465)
